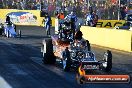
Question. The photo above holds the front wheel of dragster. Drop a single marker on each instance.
(48, 55)
(107, 65)
(66, 62)
(80, 79)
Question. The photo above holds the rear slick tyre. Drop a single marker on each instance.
(48, 57)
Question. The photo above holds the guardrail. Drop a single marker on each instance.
(112, 38)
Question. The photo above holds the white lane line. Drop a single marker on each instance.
(4, 84)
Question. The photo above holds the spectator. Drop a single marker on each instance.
(90, 19)
(73, 19)
(56, 14)
(47, 23)
(95, 20)
(61, 15)
(123, 12)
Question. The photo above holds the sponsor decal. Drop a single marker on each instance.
(108, 78)
(91, 67)
(109, 24)
(23, 18)
(104, 79)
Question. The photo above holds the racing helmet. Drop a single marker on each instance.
(78, 35)
(72, 13)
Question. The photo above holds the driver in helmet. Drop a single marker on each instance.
(79, 40)
(78, 35)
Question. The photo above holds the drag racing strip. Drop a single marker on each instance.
(121, 60)
(22, 67)
(70, 76)
(21, 72)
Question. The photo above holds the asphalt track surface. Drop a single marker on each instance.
(21, 64)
